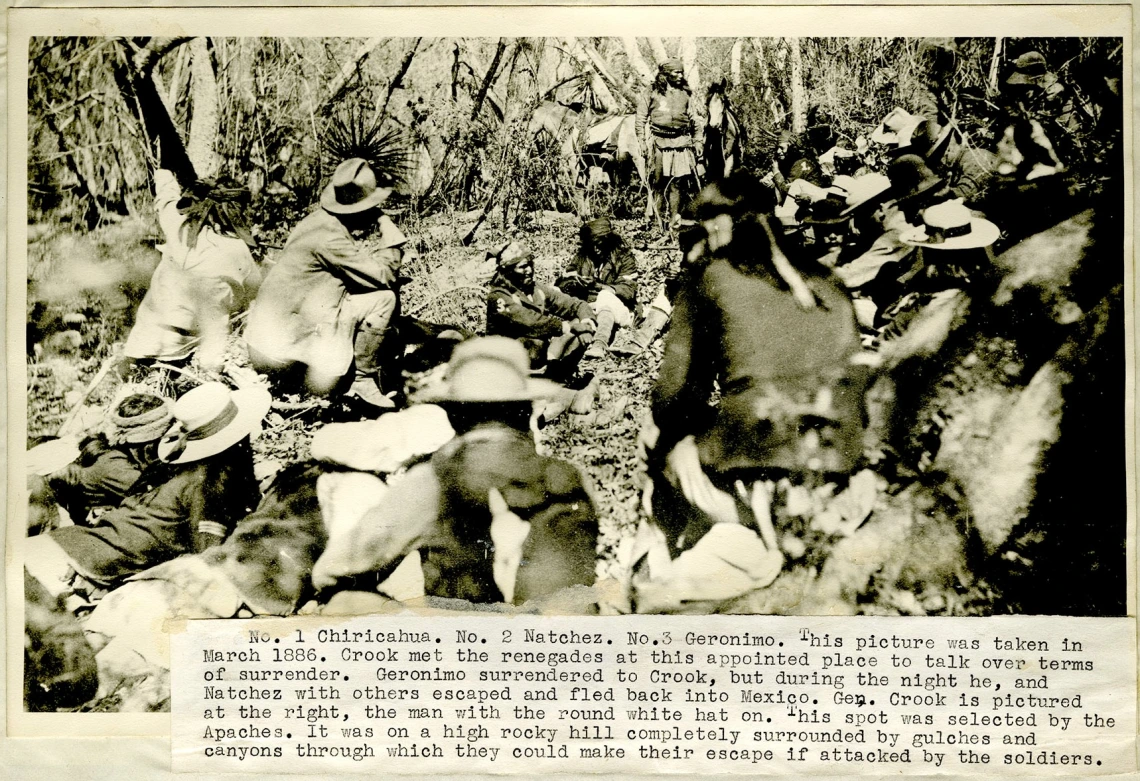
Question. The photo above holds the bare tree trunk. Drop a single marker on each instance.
(640, 66)
(799, 97)
(398, 80)
(490, 77)
(734, 58)
(455, 74)
(658, 49)
(141, 95)
(491, 98)
(594, 59)
(689, 60)
(204, 102)
(766, 80)
(340, 81)
(992, 85)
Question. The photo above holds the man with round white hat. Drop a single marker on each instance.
(189, 500)
(953, 245)
(326, 304)
(493, 520)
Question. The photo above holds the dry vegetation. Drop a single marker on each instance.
(468, 102)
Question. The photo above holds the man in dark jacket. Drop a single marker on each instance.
(186, 501)
(780, 342)
(604, 274)
(554, 327)
(492, 519)
(104, 473)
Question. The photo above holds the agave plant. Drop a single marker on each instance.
(389, 150)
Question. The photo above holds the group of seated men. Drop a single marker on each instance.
(824, 259)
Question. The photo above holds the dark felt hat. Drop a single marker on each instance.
(911, 177)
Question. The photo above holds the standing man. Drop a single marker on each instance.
(327, 303)
(666, 126)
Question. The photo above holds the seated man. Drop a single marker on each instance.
(554, 328)
(492, 519)
(104, 472)
(604, 274)
(188, 499)
(788, 407)
(326, 305)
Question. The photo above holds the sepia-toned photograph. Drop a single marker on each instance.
(565, 326)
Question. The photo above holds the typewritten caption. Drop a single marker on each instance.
(744, 694)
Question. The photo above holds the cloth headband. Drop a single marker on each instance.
(939, 235)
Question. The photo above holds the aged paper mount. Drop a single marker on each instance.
(62, 748)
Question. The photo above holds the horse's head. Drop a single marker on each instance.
(715, 103)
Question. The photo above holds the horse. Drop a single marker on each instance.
(725, 136)
(592, 146)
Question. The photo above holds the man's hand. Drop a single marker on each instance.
(683, 469)
(647, 440)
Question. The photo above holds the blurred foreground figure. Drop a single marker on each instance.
(206, 274)
(325, 307)
(59, 664)
(493, 520)
(782, 343)
(188, 499)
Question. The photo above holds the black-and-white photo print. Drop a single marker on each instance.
(565, 325)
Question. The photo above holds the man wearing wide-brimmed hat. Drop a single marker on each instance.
(187, 501)
(1040, 94)
(492, 519)
(554, 327)
(953, 255)
(326, 304)
(871, 265)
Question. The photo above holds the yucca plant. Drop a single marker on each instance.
(389, 150)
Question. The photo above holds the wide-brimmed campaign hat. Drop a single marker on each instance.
(210, 419)
(1029, 68)
(950, 225)
(911, 177)
(897, 128)
(827, 211)
(353, 188)
(489, 369)
(865, 190)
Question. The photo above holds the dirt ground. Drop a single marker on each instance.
(911, 557)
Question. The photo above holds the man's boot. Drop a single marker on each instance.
(366, 383)
(637, 341)
(600, 345)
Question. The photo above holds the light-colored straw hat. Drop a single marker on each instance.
(866, 189)
(210, 419)
(950, 225)
(489, 369)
